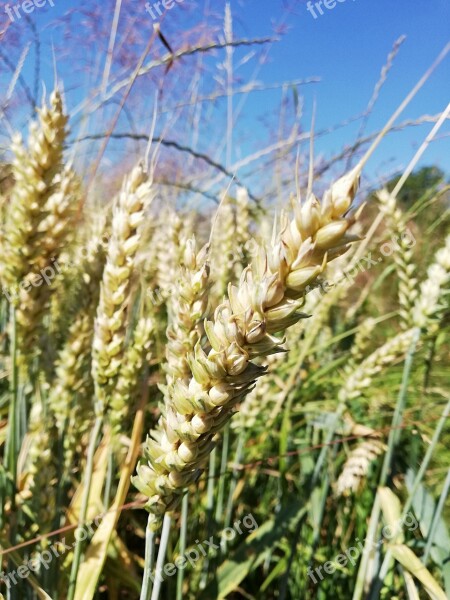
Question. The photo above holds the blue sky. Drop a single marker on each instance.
(346, 47)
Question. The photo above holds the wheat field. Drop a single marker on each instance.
(247, 401)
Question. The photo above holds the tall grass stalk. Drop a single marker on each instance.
(222, 474)
(415, 486)
(162, 549)
(233, 483)
(149, 563)
(183, 540)
(209, 513)
(392, 442)
(12, 442)
(436, 517)
(96, 430)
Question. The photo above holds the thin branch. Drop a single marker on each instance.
(130, 83)
(186, 187)
(372, 136)
(243, 89)
(168, 59)
(170, 144)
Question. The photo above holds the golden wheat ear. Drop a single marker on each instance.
(264, 302)
(136, 354)
(39, 220)
(357, 466)
(38, 174)
(112, 313)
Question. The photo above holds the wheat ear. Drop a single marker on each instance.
(425, 315)
(111, 321)
(361, 378)
(37, 172)
(42, 203)
(53, 231)
(39, 487)
(70, 397)
(128, 379)
(357, 466)
(188, 308)
(431, 301)
(360, 345)
(266, 301)
(168, 251)
(403, 258)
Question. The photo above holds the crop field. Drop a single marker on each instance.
(225, 307)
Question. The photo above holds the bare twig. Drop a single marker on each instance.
(169, 144)
(167, 59)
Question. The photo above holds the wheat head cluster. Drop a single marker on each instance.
(228, 330)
